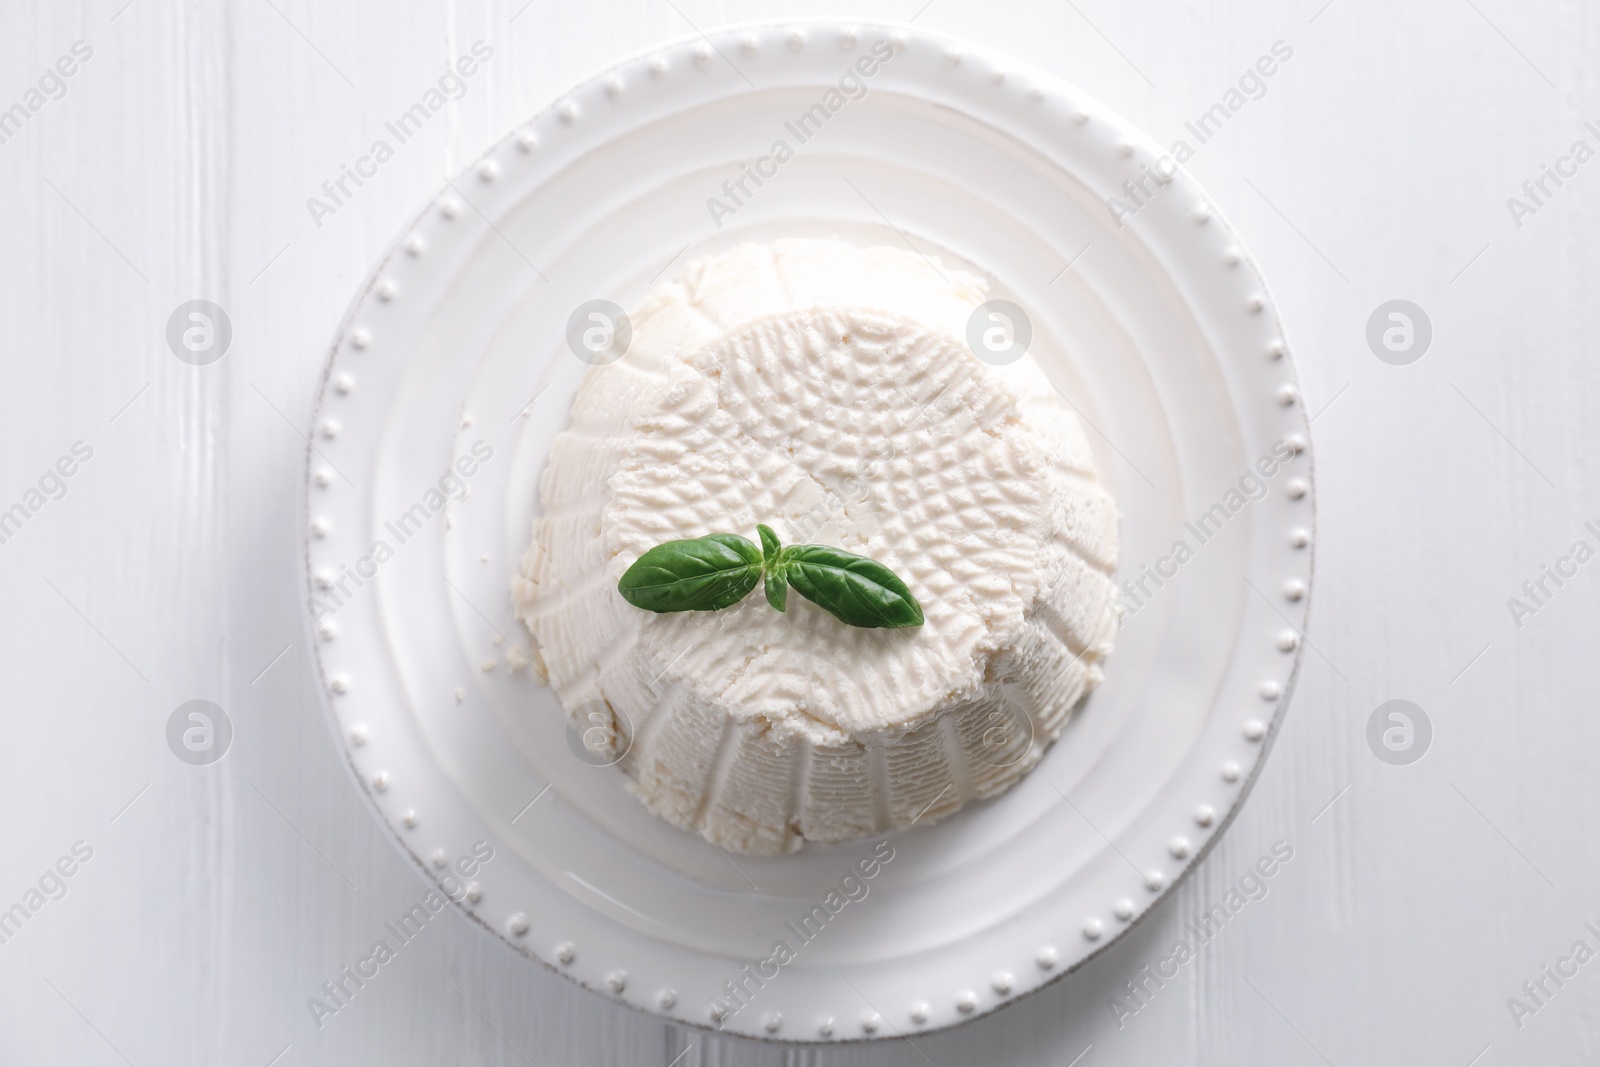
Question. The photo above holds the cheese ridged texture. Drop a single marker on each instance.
(828, 391)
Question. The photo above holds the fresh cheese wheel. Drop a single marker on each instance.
(827, 391)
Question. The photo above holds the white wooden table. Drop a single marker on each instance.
(175, 163)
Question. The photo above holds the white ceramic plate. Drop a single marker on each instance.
(1159, 331)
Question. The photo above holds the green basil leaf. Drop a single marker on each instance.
(852, 588)
(777, 586)
(769, 542)
(702, 574)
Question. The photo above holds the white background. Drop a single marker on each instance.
(1376, 166)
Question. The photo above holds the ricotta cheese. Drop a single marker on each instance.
(827, 391)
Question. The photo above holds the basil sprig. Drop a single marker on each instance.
(717, 571)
